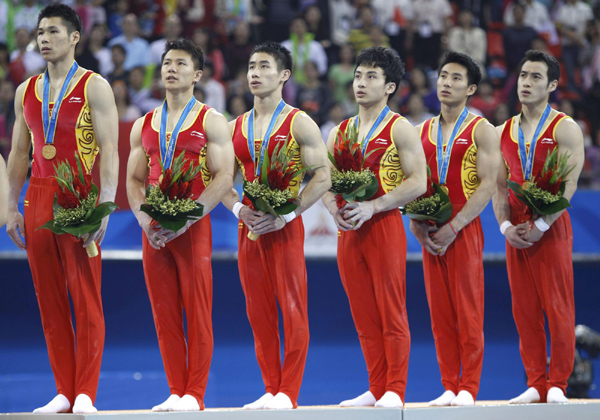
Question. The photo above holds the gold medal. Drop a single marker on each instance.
(444, 188)
(160, 178)
(49, 152)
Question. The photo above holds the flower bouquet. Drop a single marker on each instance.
(169, 202)
(543, 194)
(433, 207)
(269, 191)
(350, 181)
(75, 207)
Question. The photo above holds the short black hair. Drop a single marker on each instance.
(188, 46)
(282, 55)
(120, 48)
(69, 17)
(473, 70)
(551, 62)
(387, 60)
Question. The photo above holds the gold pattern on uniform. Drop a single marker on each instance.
(241, 168)
(294, 150)
(468, 174)
(86, 141)
(390, 170)
(206, 175)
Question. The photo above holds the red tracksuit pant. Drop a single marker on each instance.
(541, 281)
(372, 264)
(455, 292)
(273, 270)
(179, 277)
(60, 267)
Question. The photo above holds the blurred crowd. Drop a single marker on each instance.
(123, 40)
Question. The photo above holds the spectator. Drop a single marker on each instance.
(536, 16)
(150, 15)
(317, 26)
(501, 114)
(206, 40)
(416, 111)
(138, 50)
(7, 115)
(572, 20)
(232, 12)
(115, 18)
(126, 110)
(341, 20)
(591, 80)
(517, 38)
(419, 83)
(236, 106)
(92, 54)
(335, 116)
(485, 99)
(349, 105)
(171, 31)
(432, 18)
(237, 53)
(25, 61)
(140, 95)
(118, 55)
(313, 96)
(26, 15)
(278, 15)
(214, 90)
(467, 39)
(199, 94)
(304, 48)
(4, 61)
(342, 73)
(6, 24)
(396, 18)
(191, 12)
(360, 37)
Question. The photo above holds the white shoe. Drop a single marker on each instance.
(279, 402)
(58, 404)
(260, 403)
(364, 400)
(556, 396)
(463, 399)
(390, 400)
(528, 397)
(185, 403)
(83, 405)
(443, 400)
(164, 406)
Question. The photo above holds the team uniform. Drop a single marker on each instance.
(541, 277)
(59, 264)
(374, 279)
(454, 281)
(273, 269)
(179, 276)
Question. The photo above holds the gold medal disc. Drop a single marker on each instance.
(160, 178)
(444, 188)
(49, 152)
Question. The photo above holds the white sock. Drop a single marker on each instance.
(83, 405)
(365, 400)
(464, 398)
(279, 402)
(555, 395)
(185, 403)
(528, 397)
(59, 404)
(260, 403)
(390, 400)
(167, 403)
(443, 400)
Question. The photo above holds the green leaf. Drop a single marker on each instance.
(79, 168)
(262, 205)
(80, 230)
(100, 212)
(52, 227)
(286, 208)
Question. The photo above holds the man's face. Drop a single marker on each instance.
(532, 85)
(178, 72)
(369, 85)
(453, 84)
(54, 41)
(263, 75)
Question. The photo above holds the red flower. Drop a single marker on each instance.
(173, 191)
(67, 200)
(346, 161)
(166, 181)
(430, 190)
(543, 182)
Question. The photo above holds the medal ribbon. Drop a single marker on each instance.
(384, 112)
(443, 157)
(50, 120)
(167, 151)
(265, 141)
(527, 158)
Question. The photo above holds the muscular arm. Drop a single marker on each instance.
(18, 163)
(3, 192)
(105, 121)
(412, 159)
(220, 160)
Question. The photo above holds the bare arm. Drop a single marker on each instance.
(18, 163)
(3, 192)
(412, 159)
(105, 121)
(220, 160)
(488, 161)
